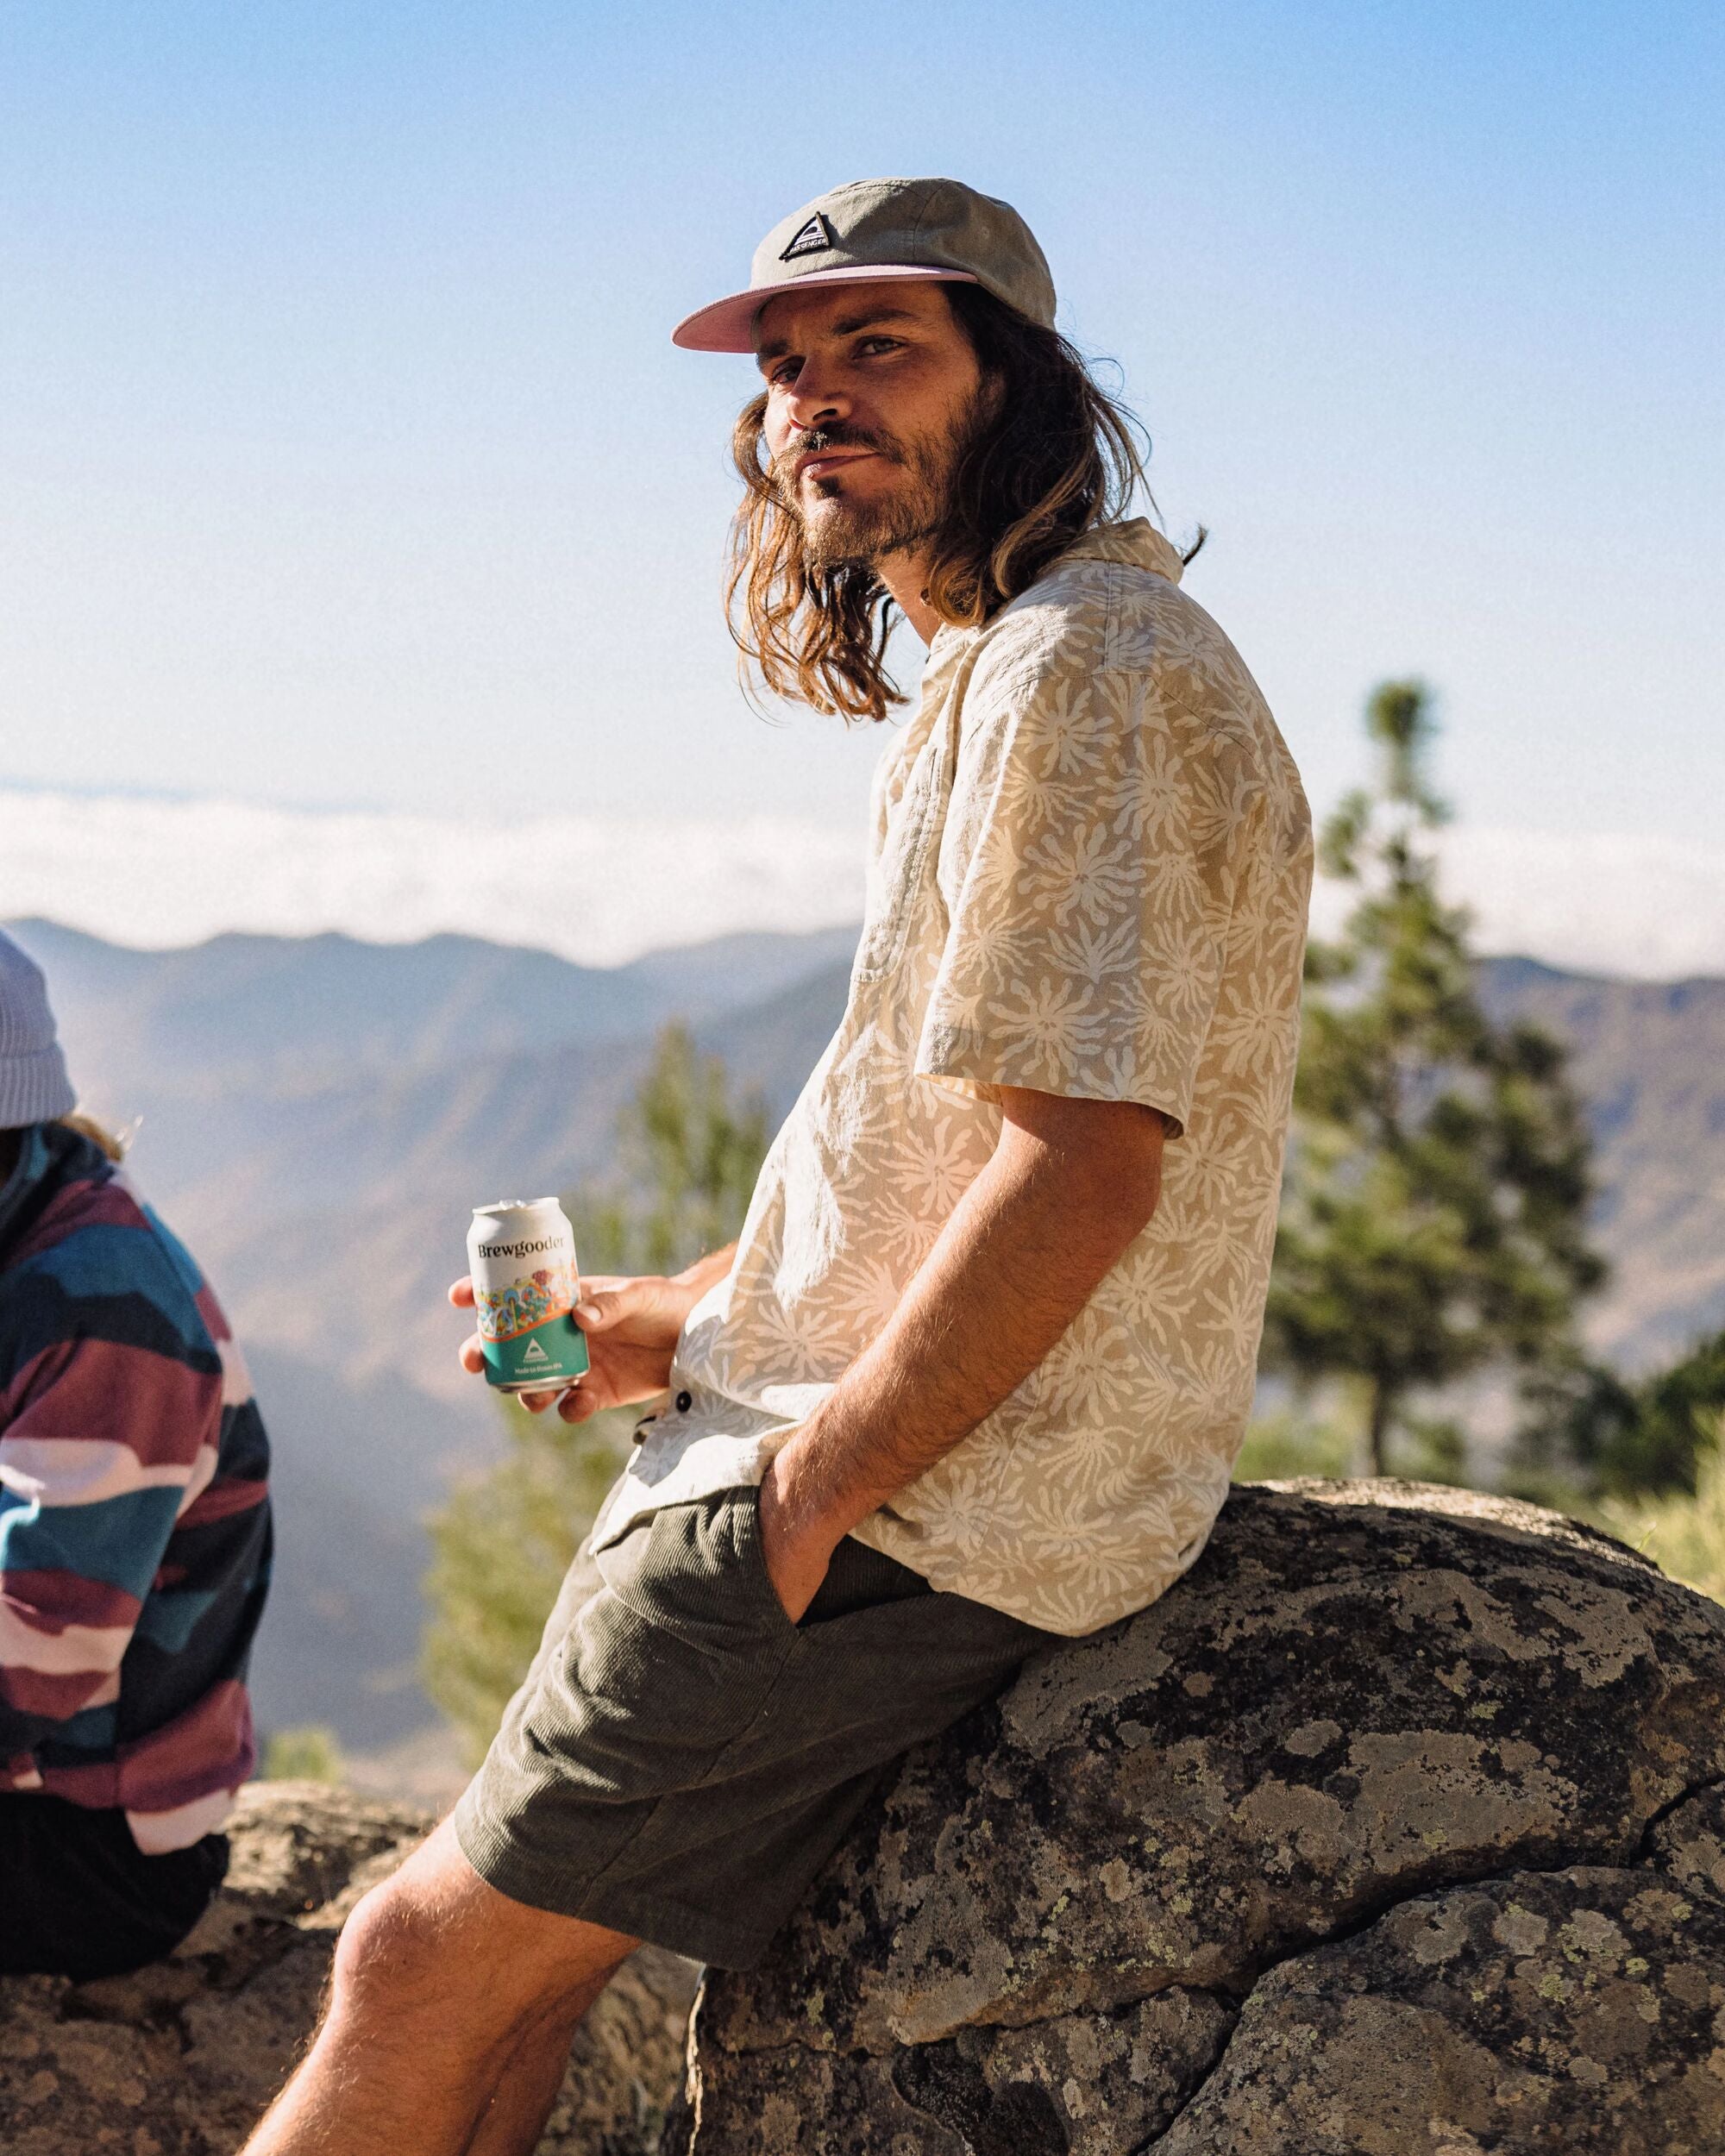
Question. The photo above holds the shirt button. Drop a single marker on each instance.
(685, 1402)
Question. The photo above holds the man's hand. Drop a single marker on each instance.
(796, 1543)
(632, 1324)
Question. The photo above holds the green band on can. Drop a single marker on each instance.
(554, 1353)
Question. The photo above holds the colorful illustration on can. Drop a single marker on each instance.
(507, 1313)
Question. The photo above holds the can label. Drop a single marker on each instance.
(525, 1287)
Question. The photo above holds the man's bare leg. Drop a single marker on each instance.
(439, 1983)
(528, 2087)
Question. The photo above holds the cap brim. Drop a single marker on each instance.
(728, 324)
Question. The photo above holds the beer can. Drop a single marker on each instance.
(522, 1258)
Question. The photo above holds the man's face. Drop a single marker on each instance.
(872, 391)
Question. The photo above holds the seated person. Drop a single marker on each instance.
(134, 1539)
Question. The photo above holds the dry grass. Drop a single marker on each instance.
(1685, 1536)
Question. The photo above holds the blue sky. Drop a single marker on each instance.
(344, 458)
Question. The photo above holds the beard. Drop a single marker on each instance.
(839, 532)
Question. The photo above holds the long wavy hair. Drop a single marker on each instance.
(1054, 455)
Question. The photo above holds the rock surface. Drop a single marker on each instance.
(1396, 1829)
(181, 2058)
(1263, 1869)
(1573, 2010)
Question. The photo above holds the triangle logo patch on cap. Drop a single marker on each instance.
(814, 238)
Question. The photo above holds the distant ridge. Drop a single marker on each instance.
(297, 1007)
(319, 1114)
(1648, 1057)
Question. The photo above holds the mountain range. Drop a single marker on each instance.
(317, 1115)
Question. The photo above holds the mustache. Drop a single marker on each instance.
(839, 435)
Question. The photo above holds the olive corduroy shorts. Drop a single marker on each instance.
(682, 1758)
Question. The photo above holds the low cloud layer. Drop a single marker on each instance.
(174, 872)
(159, 873)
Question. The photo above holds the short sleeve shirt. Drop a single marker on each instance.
(1089, 865)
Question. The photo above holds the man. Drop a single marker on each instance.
(134, 1539)
(974, 1375)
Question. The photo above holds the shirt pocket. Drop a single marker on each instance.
(910, 828)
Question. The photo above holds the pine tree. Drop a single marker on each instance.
(1680, 1414)
(1434, 1213)
(1649, 1437)
(502, 1544)
(695, 1156)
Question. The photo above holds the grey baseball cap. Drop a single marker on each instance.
(876, 228)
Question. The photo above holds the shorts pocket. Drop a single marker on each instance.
(751, 1554)
(696, 1571)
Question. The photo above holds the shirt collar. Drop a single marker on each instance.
(1137, 542)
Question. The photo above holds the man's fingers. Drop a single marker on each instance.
(573, 1405)
(461, 1292)
(599, 1308)
(472, 1355)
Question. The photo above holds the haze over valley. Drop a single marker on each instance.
(319, 1115)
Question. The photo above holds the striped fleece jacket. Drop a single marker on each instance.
(134, 1527)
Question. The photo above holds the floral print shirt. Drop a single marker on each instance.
(1088, 872)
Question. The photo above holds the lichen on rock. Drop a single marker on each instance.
(1363, 1696)
(1580, 2010)
(1115, 2080)
(1689, 1842)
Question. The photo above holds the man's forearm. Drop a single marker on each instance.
(1018, 1259)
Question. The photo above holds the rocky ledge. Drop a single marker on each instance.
(182, 2059)
(1396, 1829)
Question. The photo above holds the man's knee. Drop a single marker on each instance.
(393, 1951)
(434, 1940)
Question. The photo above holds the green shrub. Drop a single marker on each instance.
(499, 1549)
(1279, 1447)
(308, 1753)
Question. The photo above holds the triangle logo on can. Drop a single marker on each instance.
(534, 1353)
(815, 238)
